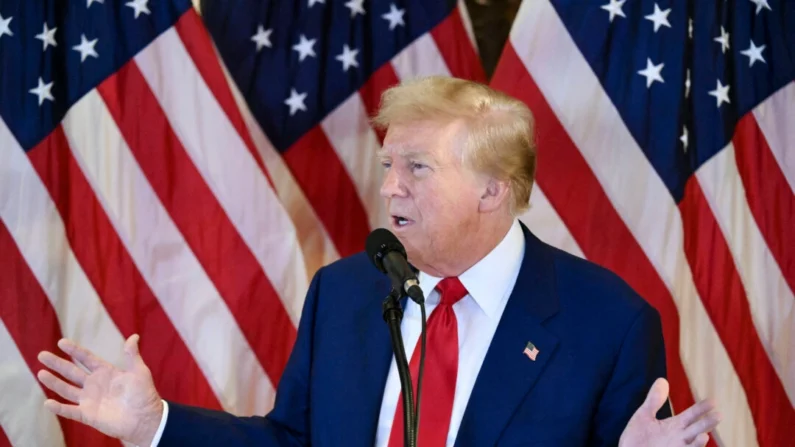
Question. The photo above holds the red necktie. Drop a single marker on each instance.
(440, 373)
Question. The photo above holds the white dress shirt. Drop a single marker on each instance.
(159, 433)
(489, 283)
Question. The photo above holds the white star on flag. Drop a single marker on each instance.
(305, 48)
(312, 2)
(754, 54)
(659, 17)
(683, 138)
(723, 39)
(43, 91)
(296, 101)
(5, 26)
(721, 93)
(348, 58)
(262, 37)
(47, 37)
(761, 4)
(86, 48)
(687, 84)
(356, 7)
(614, 8)
(90, 2)
(394, 16)
(140, 6)
(652, 73)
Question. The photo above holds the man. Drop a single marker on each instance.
(526, 344)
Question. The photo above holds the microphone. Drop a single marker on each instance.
(389, 256)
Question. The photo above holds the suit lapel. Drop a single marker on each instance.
(370, 375)
(507, 374)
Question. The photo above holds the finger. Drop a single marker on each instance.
(131, 345)
(63, 389)
(656, 397)
(695, 412)
(704, 425)
(68, 411)
(84, 356)
(63, 367)
(133, 354)
(700, 441)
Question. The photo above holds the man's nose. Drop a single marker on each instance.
(391, 185)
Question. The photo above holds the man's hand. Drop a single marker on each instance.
(689, 428)
(122, 403)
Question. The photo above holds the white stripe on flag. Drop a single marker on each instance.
(316, 244)
(637, 193)
(421, 58)
(769, 297)
(776, 118)
(23, 417)
(462, 8)
(231, 174)
(164, 258)
(37, 228)
(544, 222)
(356, 145)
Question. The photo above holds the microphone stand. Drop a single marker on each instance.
(393, 314)
(421, 369)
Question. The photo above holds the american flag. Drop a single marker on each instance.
(160, 179)
(531, 351)
(666, 134)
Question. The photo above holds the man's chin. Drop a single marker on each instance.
(411, 253)
(418, 258)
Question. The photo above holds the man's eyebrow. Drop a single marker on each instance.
(405, 153)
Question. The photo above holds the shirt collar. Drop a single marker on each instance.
(491, 278)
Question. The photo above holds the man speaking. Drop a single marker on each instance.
(526, 345)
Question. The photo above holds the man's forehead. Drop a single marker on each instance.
(406, 143)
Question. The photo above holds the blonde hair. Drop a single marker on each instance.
(500, 129)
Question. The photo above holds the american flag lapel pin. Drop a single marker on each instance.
(531, 351)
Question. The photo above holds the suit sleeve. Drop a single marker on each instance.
(640, 362)
(286, 425)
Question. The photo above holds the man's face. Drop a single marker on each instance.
(431, 197)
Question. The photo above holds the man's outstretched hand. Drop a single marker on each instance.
(690, 428)
(122, 403)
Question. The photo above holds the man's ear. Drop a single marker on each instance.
(495, 195)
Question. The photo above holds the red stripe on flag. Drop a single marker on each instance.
(212, 237)
(724, 298)
(4, 442)
(31, 320)
(575, 193)
(769, 196)
(328, 187)
(371, 92)
(462, 60)
(126, 296)
(200, 47)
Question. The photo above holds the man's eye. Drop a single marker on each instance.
(386, 164)
(416, 166)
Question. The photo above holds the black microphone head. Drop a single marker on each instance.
(380, 242)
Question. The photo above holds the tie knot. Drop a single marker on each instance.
(451, 290)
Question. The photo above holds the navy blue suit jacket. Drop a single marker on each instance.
(600, 344)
